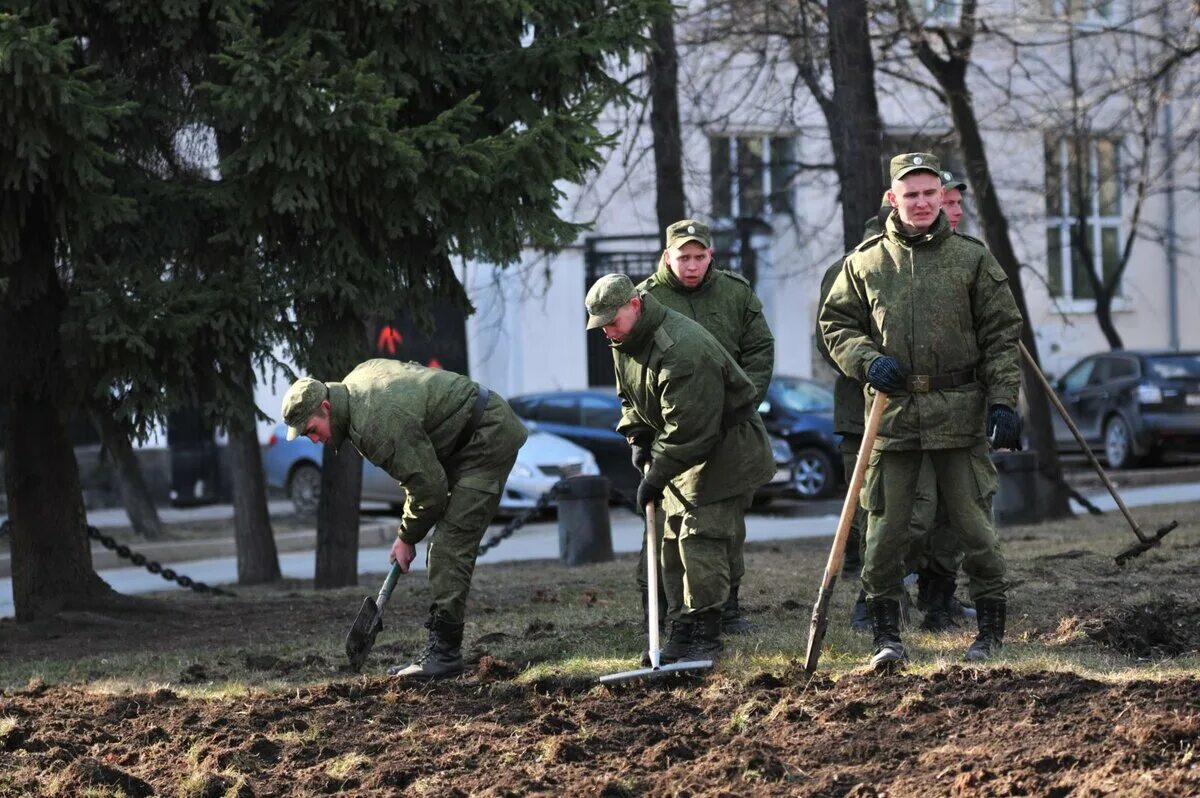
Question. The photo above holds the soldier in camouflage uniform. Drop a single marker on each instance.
(723, 303)
(451, 443)
(926, 316)
(680, 389)
(849, 410)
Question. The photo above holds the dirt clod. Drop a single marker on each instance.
(1154, 630)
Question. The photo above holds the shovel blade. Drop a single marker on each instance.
(361, 637)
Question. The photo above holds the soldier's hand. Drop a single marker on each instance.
(885, 375)
(648, 492)
(639, 450)
(1004, 428)
(403, 554)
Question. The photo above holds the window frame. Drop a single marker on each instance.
(1096, 223)
(767, 167)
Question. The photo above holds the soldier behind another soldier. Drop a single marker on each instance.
(683, 391)
(926, 316)
(724, 304)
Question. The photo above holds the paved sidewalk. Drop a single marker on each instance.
(538, 541)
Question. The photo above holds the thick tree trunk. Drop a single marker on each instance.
(51, 556)
(257, 558)
(664, 124)
(1104, 317)
(856, 131)
(1052, 502)
(131, 484)
(341, 471)
(338, 518)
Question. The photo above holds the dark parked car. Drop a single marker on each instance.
(800, 411)
(1134, 406)
(589, 419)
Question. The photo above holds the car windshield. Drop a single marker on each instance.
(803, 396)
(1169, 367)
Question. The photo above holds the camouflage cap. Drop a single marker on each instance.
(950, 181)
(686, 230)
(902, 165)
(608, 295)
(301, 403)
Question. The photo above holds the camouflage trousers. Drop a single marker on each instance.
(965, 481)
(735, 550)
(474, 499)
(934, 545)
(695, 552)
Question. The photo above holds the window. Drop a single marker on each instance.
(1083, 185)
(1078, 377)
(1094, 11)
(558, 410)
(934, 13)
(600, 414)
(751, 176)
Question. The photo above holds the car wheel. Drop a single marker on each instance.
(1118, 444)
(814, 474)
(304, 488)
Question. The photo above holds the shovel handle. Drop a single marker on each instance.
(389, 585)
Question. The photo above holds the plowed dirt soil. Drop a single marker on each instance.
(959, 732)
(1097, 692)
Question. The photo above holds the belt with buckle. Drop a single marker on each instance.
(924, 383)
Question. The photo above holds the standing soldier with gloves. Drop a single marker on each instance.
(926, 316)
(451, 443)
(724, 303)
(708, 450)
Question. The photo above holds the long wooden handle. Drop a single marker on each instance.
(1066, 417)
(837, 553)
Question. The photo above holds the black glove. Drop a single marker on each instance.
(885, 375)
(648, 492)
(639, 450)
(1004, 428)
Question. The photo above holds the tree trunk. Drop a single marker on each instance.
(341, 471)
(664, 124)
(856, 132)
(1052, 502)
(338, 518)
(1104, 298)
(257, 558)
(135, 496)
(51, 556)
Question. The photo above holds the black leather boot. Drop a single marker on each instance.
(732, 620)
(935, 592)
(860, 616)
(706, 637)
(679, 639)
(991, 616)
(885, 619)
(442, 657)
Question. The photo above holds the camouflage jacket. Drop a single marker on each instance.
(940, 304)
(406, 419)
(678, 384)
(724, 304)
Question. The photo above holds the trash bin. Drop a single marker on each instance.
(1016, 498)
(584, 528)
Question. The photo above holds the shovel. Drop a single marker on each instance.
(833, 567)
(361, 637)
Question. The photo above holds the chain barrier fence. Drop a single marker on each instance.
(152, 566)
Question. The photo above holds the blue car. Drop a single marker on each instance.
(800, 411)
(589, 419)
(295, 467)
